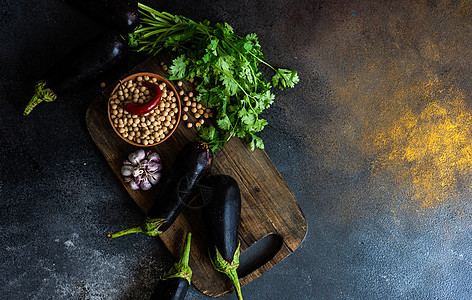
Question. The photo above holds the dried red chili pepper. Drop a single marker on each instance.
(141, 109)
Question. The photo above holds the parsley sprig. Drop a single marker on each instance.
(227, 66)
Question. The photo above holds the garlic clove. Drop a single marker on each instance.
(154, 157)
(145, 184)
(133, 185)
(137, 156)
(127, 170)
(154, 167)
(154, 178)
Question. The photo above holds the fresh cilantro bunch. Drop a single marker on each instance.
(227, 67)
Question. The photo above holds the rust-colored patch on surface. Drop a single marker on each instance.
(431, 147)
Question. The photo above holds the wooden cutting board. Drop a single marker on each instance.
(268, 206)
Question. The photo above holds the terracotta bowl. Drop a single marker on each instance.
(159, 79)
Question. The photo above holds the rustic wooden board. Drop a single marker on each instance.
(268, 206)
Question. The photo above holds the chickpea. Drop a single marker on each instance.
(189, 125)
(181, 93)
(190, 94)
(179, 83)
(193, 110)
(185, 117)
(194, 104)
(185, 108)
(205, 115)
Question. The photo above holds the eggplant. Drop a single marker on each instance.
(121, 15)
(222, 215)
(191, 165)
(86, 62)
(175, 282)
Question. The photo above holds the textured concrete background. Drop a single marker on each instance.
(375, 143)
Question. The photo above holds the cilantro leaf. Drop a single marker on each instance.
(177, 70)
(285, 78)
(230, 85)
(224, 123)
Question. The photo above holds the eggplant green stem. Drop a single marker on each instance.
(149, 227)
(228, 268)
(41, 93)
(181, 269)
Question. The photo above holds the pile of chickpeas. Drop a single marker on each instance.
(149, 128)
(193, 110)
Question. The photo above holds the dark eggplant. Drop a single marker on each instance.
(84, 63)
(121, 15)
(221, 214)
(175, 282)
(191, 165)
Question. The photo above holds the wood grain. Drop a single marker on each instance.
(268, 206)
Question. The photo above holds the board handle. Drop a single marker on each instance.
(260, 253)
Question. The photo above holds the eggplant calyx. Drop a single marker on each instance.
(149, 227)
(181, 269)
(41, 93)
(228, 268)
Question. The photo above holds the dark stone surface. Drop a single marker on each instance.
(374, 143)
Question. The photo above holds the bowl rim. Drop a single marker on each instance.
(160, 79)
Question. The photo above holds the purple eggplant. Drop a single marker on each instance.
(175, 282)
(221, 215)
(191, 165)
(86, 62)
